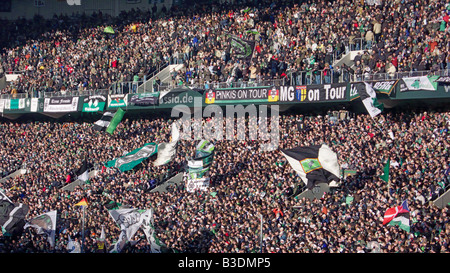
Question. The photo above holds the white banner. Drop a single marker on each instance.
(199, 184)
(61, 104)
(34, 104)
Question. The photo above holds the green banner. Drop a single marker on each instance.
(133, 158)
(95, 103)
(115, 121)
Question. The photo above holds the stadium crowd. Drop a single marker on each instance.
(293, 40)
(298, 41)
(246, 183)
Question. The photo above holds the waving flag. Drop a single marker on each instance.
(398, 216)
(83, 172)
(83, 203)
(314, 164)
(133, 158)
(369, 99)
(12, 217)
(199, 165)
(130, 220)
(385, 175)
(44, 224)
(117, 118)
(103, 122)
(167, 151)
(240, 48)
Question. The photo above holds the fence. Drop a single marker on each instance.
(76, 93)
(293, 78)
(14, 96)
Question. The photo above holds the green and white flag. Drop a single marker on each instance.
(15, 104)
(369, 99)
(314, 164)
(133, 158)
(109, 30)
(130, 220)
(422, 83)
(385, 175)
(253, 31)
(117, 118)
(199, 165)
(44, 224)
(94, 103)
(205, 152)
(240, 48)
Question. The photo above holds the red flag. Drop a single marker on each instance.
(391, 213)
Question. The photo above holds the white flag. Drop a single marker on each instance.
(73, 246)
(167, 151)
(44, 224)
(149, 231)
(128, 219)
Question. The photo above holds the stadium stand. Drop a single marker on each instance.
(296, 43)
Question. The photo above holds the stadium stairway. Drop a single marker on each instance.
(174, 180)
(163, 75)
(12, 175)
(78, 182)
(443, 200)
(348, 58)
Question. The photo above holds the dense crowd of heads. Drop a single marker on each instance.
(294, 40)
(246, 183)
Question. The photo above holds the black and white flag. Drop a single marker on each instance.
(369, 99)
(83, 172)
(314, 164)
(12, 217)
(103, 123)
(44, 224)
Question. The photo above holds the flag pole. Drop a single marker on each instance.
(261, 233)
(82, 234)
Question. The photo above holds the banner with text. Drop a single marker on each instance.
(310, 93)
(117, 100)
(61, 104)
(147, 99)
(180, 95)
(237, 95)
(95, 103)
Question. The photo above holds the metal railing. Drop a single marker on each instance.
(223, 85)
(293, 78)
(125, 87)
(76, 93)
(14, 96)
(398, 75)
(132, 86)
(355, 45)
